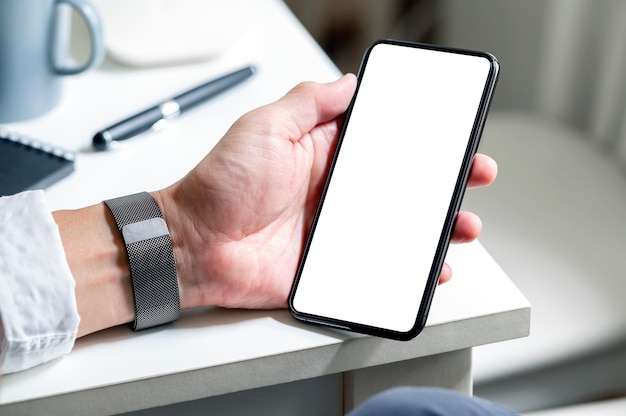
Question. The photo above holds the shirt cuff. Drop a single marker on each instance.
(38, 313)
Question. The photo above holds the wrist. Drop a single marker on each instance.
(98, 261)
(180, 246)
(196, 260)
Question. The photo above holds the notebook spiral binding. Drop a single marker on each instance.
(36, 144)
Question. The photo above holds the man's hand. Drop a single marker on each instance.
(239, 219)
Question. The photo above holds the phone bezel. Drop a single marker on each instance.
(454, 206)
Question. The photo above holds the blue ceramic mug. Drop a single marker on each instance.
(34, 53)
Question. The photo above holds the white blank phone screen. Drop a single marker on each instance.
(385, 207)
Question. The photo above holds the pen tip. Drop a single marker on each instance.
(100, 141)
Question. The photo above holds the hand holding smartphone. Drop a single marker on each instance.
(380, 234)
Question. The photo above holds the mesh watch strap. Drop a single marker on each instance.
(151, 258)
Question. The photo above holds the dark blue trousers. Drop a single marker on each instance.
(411, 401)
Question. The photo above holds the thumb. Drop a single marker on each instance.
(309, 104)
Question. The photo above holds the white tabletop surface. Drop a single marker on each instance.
(211, 349)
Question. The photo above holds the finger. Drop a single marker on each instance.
(484, 171)
(467, 227)
(446, 274)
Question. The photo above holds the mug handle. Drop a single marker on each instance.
(94, 24)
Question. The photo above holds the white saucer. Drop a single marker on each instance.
(163, 32)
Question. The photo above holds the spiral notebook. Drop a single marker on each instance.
(27, 163)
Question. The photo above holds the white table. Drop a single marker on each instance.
(294, 368)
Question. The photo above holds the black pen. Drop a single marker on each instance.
(145, 120)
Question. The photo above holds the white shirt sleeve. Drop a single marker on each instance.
(38, 313)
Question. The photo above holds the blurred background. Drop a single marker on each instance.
(554, 219)
(345, 28)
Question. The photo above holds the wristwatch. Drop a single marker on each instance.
(151, 259)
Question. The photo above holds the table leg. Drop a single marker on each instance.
(451, 370)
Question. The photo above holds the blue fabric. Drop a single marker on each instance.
(405, 401)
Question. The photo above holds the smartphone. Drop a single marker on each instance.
(381, 230)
